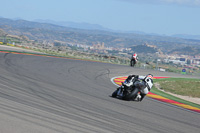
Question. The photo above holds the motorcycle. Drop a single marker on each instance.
(134, 59)
(134, 87)
(127, 91)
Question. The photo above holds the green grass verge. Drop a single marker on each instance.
(175, 82)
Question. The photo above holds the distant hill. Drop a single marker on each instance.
(144, 49)
(2, 32)
(86, 26)
(185, 36)
(186, 51)
(51, 32)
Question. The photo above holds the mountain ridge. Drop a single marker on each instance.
(88, 26)
(51, 32)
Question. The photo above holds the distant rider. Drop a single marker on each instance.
(134, 56)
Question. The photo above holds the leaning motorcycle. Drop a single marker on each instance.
(126, 92)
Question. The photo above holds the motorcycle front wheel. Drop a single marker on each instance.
(114, 94)
(132, 62)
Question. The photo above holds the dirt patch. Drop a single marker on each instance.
(187, 98)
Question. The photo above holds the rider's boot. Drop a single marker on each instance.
(138, 97)
(142, 96)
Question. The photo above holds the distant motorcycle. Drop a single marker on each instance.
(134, 59)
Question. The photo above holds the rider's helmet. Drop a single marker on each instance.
(148, 78)
(149, 81)
(134, 54)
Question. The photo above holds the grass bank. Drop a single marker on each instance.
(180, 86)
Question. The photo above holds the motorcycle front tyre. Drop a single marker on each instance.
(132, 63)
(132, 95)
(114, 94)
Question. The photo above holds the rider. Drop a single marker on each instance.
(134, 56)
(143, 83)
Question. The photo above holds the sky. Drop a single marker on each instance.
(164, 17)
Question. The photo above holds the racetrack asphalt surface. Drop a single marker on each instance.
(55, 95)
